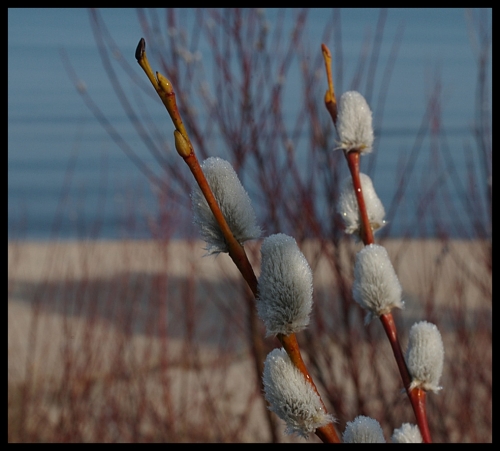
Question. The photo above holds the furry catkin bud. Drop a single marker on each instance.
(291, 396)
(363, 430)
(424, 356)
(349, 210)
(376, 286)
(233, 201)
(285, 286)
(407, 433)
(354, 123)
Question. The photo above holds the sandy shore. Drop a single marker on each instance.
(79, 302)
(31, 263)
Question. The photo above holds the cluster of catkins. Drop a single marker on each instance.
(285, 285)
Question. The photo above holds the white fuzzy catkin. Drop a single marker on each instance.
(363, 430)
(424, 356)
(233, 201)
(291, 396)
(376, 286)
(349, 210)
(407, 433)
(285, 288)
(354, 123)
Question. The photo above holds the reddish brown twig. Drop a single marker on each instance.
(236, 251)
(366, 232)
(417, 395)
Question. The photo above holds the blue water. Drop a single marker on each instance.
(68, 179)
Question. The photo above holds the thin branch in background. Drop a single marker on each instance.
(106, 124)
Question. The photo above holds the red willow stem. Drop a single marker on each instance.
(366, 231)
(237, 252)
(417, 395)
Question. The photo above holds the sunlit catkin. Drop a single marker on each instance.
(376, 286)
(424, 356)
(354, 123)
(407, 433)
(291, 396)
(363, 430)
(233, 201)
(348, 207)
(285, 286)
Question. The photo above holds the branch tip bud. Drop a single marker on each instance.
(141, 48)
